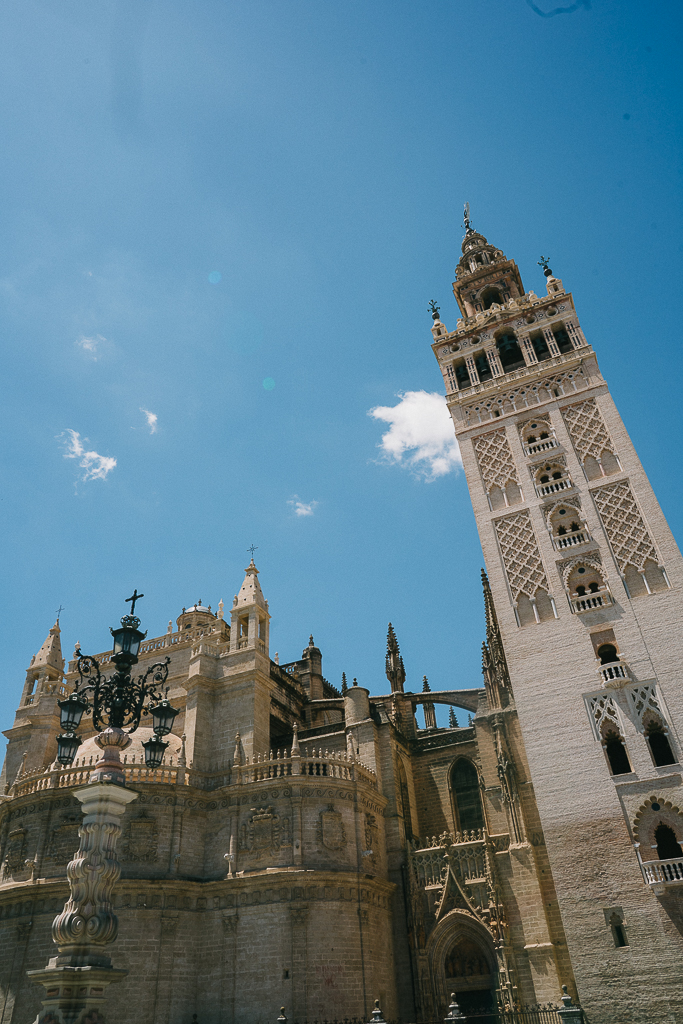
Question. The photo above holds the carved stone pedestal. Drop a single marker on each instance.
(74, 995)
(76, 979)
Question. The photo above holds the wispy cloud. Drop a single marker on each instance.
(302, 508)
(96, 467)
(151, 418)
(91, 345)
(420, 434)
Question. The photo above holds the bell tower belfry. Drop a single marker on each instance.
(587, 583)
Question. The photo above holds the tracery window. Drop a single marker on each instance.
(466, 794)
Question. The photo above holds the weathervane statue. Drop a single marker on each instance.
(467, 226)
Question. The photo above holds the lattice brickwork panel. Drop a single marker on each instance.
(641, 699)
(603, 711)
(521, 557)
(624, 526)
(495, 459)
(587, 429)
(526, 396)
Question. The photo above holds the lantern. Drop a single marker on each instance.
(155, 748)
(163, 716)
(71, 711)
(67, 745)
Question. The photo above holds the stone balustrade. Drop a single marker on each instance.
(614, 672)
(553, 486)
(589, 602)
(260, 768)
(540, 446)
(661, 873)
(570, 540)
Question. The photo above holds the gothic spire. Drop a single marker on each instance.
(494, 662)
(344, 686)
(426, 688)
(396, 673)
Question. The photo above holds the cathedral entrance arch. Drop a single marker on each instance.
(463, 960)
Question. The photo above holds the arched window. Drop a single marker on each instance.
(658, 741)
(617, 757)
(607, 653)
(489, 296)
(668, 846)
(466, 796)
(510, 353)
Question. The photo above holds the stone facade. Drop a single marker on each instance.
(317, 848)
(299, 845)
(587, 580)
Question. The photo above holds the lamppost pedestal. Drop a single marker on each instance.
(76, 979)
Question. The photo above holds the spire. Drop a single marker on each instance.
(494, 662)
(426, 688)
(396, 673)
(344, 686)
(250, 591)
(428, 707)
(452, 720)
(50, 654)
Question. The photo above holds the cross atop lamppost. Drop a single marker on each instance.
(134, 597)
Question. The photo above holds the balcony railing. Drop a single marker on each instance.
(570, 540)
(614, 672)
(261, 768)
(553, 487)
(662, 873)
(589, 602)
(540, 446)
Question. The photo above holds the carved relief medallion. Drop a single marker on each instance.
(64, 840)
(331, 832)
(14, 852)
(140, 840)
(264, 832)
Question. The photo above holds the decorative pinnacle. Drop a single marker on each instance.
(434, 309)
(425, 685)
(355, 681)
(543, 262)
(344, 686)
(452, 720)
(466, 218)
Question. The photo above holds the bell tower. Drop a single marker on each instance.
(587, 582)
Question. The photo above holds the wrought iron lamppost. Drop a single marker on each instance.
(87, 923)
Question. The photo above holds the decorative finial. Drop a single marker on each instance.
(310, 641)
(452, 720)
(251, 549)
(133, 598)
(466, 216)
(344, 688)
(543, 262)
(434, 309)
(425, 685)
(355, 681)
(220, 609)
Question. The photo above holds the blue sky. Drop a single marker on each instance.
(231, 217)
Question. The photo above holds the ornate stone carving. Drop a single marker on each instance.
(140, 840)
(521, 557)
(63, 841)
(264, 832)
(628, 535)
(87, 922)
(15, 851)
(330, 830)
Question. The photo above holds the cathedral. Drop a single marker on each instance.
(320, 848)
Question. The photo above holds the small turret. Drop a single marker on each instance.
(249, 617)
(484, 275)
(46, 670)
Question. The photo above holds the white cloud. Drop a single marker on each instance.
(96, 466)
(151, 418)
(91, 345)
(302, 508)
(420, 435)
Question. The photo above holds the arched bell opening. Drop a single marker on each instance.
(489, 296)
(668, 846)
(510, 353)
